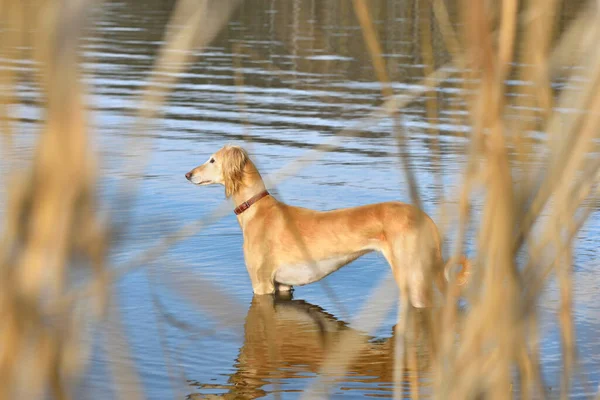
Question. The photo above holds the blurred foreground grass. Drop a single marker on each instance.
(52, 224)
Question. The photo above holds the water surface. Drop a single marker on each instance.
(306, 76)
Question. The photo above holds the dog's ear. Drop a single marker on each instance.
(234, 161)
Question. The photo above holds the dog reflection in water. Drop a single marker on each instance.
(286, 339)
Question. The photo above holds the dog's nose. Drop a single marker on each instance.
(188, 176)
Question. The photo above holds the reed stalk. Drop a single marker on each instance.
(53, 225)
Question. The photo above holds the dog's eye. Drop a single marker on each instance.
(212, 160)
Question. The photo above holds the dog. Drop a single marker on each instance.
(287, 246)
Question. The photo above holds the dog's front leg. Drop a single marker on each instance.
(264, 287)
(262, 280)
(280, 287)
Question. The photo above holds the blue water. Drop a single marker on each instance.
(184, 314)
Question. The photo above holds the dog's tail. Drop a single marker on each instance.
(462, 277)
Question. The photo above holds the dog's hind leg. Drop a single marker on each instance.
(420, 284)
(440, 279)
(411, 276)
(398, 271)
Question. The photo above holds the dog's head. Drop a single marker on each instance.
(225, 167)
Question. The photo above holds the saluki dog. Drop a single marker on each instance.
(287, 246)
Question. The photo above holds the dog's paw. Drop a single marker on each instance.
(264, 288)
(279, 287)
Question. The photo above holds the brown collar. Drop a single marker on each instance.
(246, 205)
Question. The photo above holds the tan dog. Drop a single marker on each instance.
(287, 246)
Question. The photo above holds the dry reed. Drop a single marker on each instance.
(52, 225)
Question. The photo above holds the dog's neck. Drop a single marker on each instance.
(253, 185)
(247, 192)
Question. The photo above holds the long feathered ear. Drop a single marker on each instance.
(234, 161)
